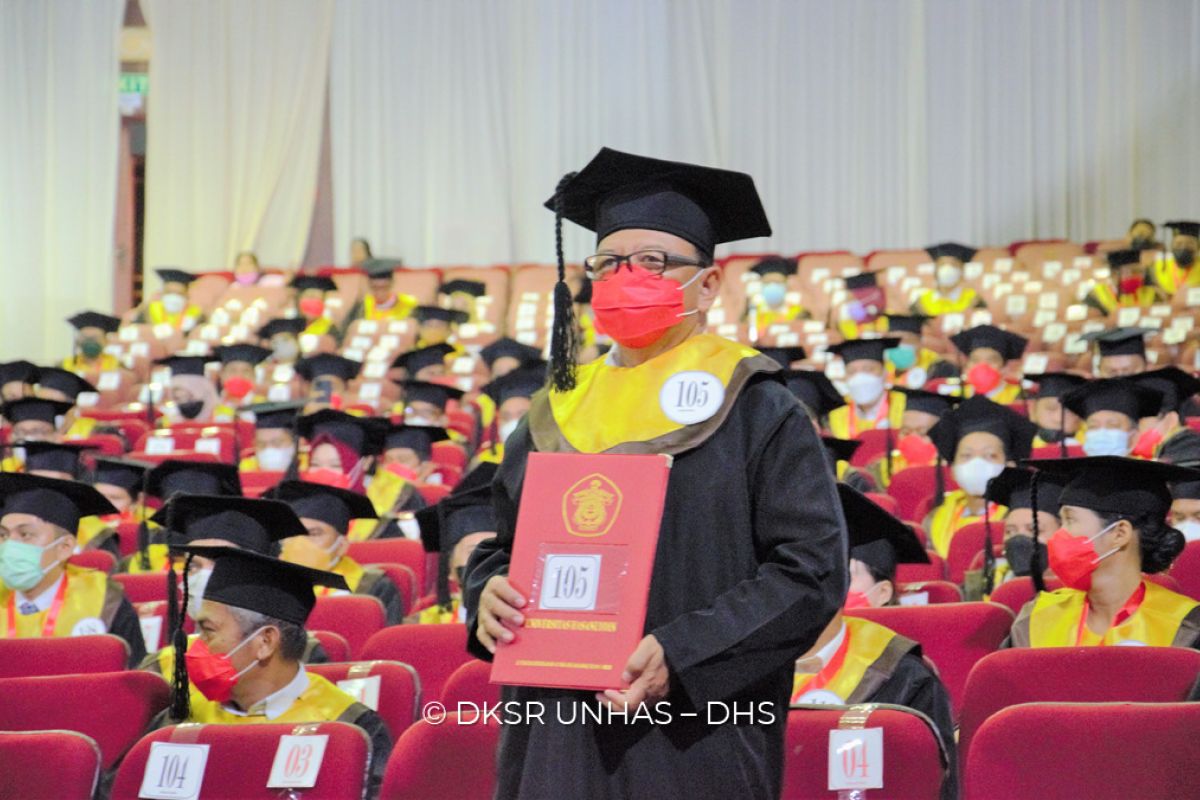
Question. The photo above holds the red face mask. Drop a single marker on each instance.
(916, 450)
(327, 477)
(856, 600)
(637, 308)
(1074, 558)
(401, 471)
(238, 387)
(1146, 443)
(1131, 284)
(312, 307)
(984, 377)
(214, 674)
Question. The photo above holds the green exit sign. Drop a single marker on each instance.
(134, 83)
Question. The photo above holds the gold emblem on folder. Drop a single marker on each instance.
(591, 506)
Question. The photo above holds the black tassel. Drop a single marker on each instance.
(890, 444)
(939, 483)
(564, 337)
(292, 473)
(143, 544)
(1062, 430)
(180, 689)
(1036, 567)
(989, 555)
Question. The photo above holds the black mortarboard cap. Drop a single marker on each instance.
(329, 504)
(329, 364)
(380, 267)
(248, 353)
(840, 449)
(1184, 227)
(1129, 487)
(928, 402)
(509, 348)
(906, 323)
(1124, 258)
(123, 472)
(418, 438)
(26, 409)
(1055, 384)
(863, 280)
(276, 415)
(94, 319)
(174, 275)
(951, 250)
(1121, 395)
(59, 502)
(61, 380)
(251, 524)
(1120, 341)
(1183, 449)
(416, 360)
(473, 288)
(293, 325)
(863, 349)
(784, 356)
(1175, 385)
(364, 435)
(1009, 345)
(305, 282)
(877, 538)
(18, 371)
(183, 364)
(425, 392)
(1011, 488)
(775, 265)
(54, 456)
(173, 476)
(521, 382)
(436, 313)
(978, 413)
(814, 390)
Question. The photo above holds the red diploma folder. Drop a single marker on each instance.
(583, 552)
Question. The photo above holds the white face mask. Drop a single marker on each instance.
(506, 429)
(1106, 442)
(865, 389)
(1190, 530)
(275, 459)
(197, 581)
(948, 275)
(417, 420)
(973, 476)
(174, 303)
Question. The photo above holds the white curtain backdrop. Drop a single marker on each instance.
(866, 123)
(236, 108)
(58, 168)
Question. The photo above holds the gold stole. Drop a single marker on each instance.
(403, 306)
(948, 520)
(322, 701)
(84, 599)
(1055, 619)
(865, 643)
(933, 304)
(349, 569)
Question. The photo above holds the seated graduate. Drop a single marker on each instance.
(1128, 286)
(326, 513)
(510, 396)
(256, 525)
(988, 350)
(1111, 408)
(405, 462)
(1177, 270)
(382, 301)
(274, 437)
(311, 291)
(33, 420)
(910, 360)
(193, 395)
(425, 403)
(437, 325)
(17, 380)
(870, 404)
(172, 306)
(859, 661)
(453, 529)
(1012, 489)
(951, 295)
(55, 383)
(1122, 351)
(238, 377)
(341, 444)
(41, 594)
(863, 313)
(424, 363)
(328, 376)
(245, 667)
(1163, 432)
(91, 331)
(771, 305)
(912, 445)
(1114, 531)
(502, 357)
(1055, 424)
(120, 481)
(282, 335)
(977, 439)
(54, 459)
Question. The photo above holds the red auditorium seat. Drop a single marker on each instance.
(70, 702)
(240, 758)
(406, 583)
(1101, 751)
(23, 761)
(935, 570)
(914, 485)
(874, 446)
(101, 560)
(408, 552)
(953, 636)
(354, 616)
(913, 763)
(127, 535)
(1053, 451)
(217, 442)
(469, 684)
(452, 759)
(886, 502)
(1186, 570)
(108, 444)
(966, 544)
(334, 644)
(935, 592)
(66, 655)
(449, 453)
(399, 688)
(1074, 675)
(146, 587)
(433, 650)
(255, 482)
(433, 493)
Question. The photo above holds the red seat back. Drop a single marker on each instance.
(935, 570)
(66, 655)
(101, 560)
(334, 644)
(1186, 570)
(886, 502)
(967, 543)
(146, 587)
(452, 759)
(932, 592)
(1054, 451)
(399, 688)
(874, 446)
(114, 708)
(353, 616)
(435, 651)
(433, 493)
(25, 756)
(406, 583)
(127, 535)
(914, 485)
(109, 444)
(953, 636)
(471, 683)
(1116, 751)
(449, 453)
(255, 482)
(408, 552)
(240, 758)
(912, 764)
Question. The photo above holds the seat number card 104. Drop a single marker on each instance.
(174, 771)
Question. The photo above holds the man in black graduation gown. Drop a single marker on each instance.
(751, 558)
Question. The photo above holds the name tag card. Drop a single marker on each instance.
(282, 373)
(370, 391)
(398, 326)
(914, 599)
(309, 342)
(297, 762)
(174, 771)
(375, 370)
(279, 393)
(151, 631)
(163, 331)
(972, 270)
(109, 381)
(368, 326)
(364, 690)
(1128, 317)
(209, 445)
(856, 759)
(362, 342)
(526, 337)
(160, 445)
(128, 333)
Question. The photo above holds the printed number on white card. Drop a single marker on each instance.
(569, 583)
(160, 445)
(297, 762)
(690, 397)
(151, 631)
(364, 690)
(174, 771)
(856, 759)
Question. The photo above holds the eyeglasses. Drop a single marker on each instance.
(600, 266)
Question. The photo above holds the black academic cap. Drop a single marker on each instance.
(34, 408)
(1175, 385)
(364, 435)
(1011, 488)
(473, 288)
(184, 364)
(124, 472)
(1120, 341)
(174, 275)
(329, 504)
(813, 389)
(1184, 227)
(248, 353)
(425, 392)
(276, 415)
(305, 282)
(509, 348)
(61, 380)
(784, 356)
(416, 360)
(521, 382)
(1009, 345)
(1186, 490)
(1124, 258)
(418, 438)
(777, 265)
(1121, 395)
(18, 371)
(1183, 449)
(906, 323)
(863, 349)
(437, 313)
(953, 250)
(1056, 384)
(702, 205)
(876, 538)
(54, 456)
(1128, 487)
(466, 510)
(173, 476)
(269, 586)
(976, 414)
(94, 319)
(61, 503)
(251, 524)
(863, 280)
(323, 364)
(840, 449)
(292, 325)
(928, 402)
(380, 267)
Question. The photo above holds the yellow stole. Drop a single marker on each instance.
(948, 519)
(403, 306)
(854, 330)
(158, 314)
(1054, 621)
(616, 409)
(436, 615)
(81, 428)
(765, 316)
(318, 327)
(865, 643)
(89, 528)
(83, 599)
(159, 555)
(839, 418)
(349, 569)
(487, 410)
(320, 702)
(932, 304)
(106, 363)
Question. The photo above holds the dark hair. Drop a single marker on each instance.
(365, 244)
(1158, 543)
(1143, 221)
